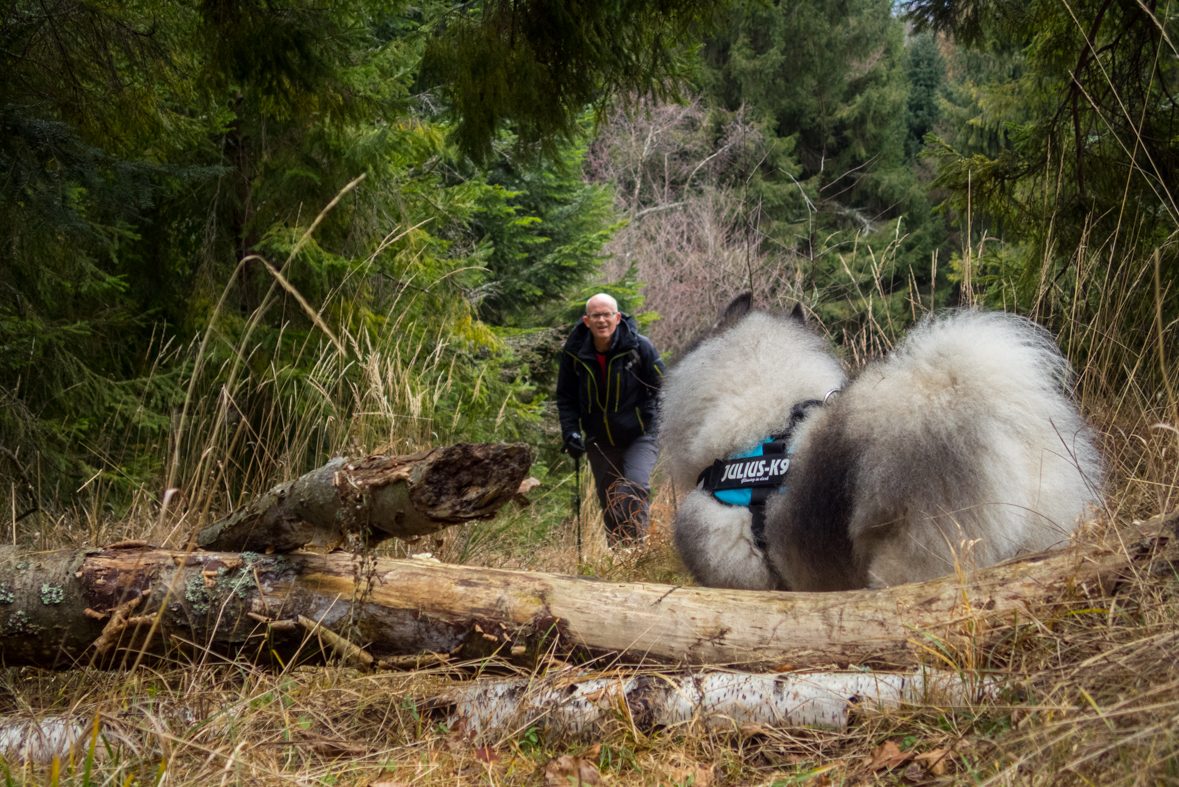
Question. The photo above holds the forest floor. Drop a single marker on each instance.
(1084, 696)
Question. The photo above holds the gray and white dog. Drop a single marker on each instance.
(962, 448)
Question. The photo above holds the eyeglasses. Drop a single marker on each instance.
(600, 316)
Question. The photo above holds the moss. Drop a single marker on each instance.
(201, 595)
(6, 594)
(52, 594)
(194, 589)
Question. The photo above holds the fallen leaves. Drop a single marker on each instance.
(827, 775)
(888, 756)
(910, 766)
(568, 770)
(526, 486)
(694, 774)
(935, 762)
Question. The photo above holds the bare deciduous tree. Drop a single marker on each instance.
(695, 236)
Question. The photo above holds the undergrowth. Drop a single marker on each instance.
(1086, 694)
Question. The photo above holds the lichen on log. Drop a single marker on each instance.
(54, 609)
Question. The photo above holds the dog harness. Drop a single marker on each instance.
(748, 479)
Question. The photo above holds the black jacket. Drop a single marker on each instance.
(620, 408)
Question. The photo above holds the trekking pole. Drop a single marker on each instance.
(577, 505)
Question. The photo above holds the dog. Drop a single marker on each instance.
(961, 448)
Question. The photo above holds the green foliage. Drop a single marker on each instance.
(841, 100)
(541, 234)
(1061, 141)
(84, 91)
(535, 65)
(133, 179)
(925, 71)
(970, 21)
(626, 290)
(981, 100)
(172, 279)
(826, 72)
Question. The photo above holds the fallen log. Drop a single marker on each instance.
(96, 606)
(586, 705)
(566, 703)
(402, 496)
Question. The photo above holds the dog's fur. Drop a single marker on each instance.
(962, 448)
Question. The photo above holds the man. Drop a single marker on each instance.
(607, 392)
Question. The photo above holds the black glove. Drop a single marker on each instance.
(574, 445)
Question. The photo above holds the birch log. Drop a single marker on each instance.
(587, 705)
(568, 704)
(401, 496)
(83, 606)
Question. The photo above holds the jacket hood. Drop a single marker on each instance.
(626, 338)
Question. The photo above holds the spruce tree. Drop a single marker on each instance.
(158, 156)
(926, 72)
(1061, 135)
(827, 79)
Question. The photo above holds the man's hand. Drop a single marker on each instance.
(574, 446)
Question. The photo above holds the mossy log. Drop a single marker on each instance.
(97, 606)
(402, 496)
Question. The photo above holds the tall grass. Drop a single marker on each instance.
(235, 439)
(1089, 687)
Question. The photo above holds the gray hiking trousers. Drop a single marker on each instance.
(622, 477)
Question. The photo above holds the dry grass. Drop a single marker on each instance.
(1090, 695)
(1089, 692)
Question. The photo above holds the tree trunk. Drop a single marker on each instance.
(62, 608)
(401, 496)
(574, 704)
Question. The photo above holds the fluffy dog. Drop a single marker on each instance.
(962, 448)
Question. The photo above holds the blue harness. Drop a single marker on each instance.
(749, 478)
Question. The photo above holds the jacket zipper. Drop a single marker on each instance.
(604, 402)
(591, 384)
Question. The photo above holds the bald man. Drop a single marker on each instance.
(607, 394)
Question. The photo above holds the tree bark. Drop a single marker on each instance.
(587, 704)
(401, 496)
(96, 606)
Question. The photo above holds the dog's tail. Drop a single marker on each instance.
(986, 394)
(1002, 357)
(965, 438)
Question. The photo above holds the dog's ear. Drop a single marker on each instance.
(729, 317)
(733, 313)
(798, 314)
